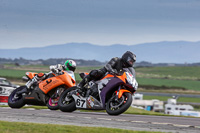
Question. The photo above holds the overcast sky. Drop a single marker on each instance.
(38, 23)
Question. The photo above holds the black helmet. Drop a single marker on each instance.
(128, 59)
(70, 65)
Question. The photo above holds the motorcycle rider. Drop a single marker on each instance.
(69, 66)
(114, 66)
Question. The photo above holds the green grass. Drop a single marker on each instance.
(11, 73)
(165, 98)
(187, 84)
(188, 99)
(78, 78)
(26, 67)
(86, 69)
(161, 98)
(18, 74)
(181, 77)
(22, 127)
(35, 66)
(171, 72)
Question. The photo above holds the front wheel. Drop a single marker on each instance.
(14, 100)
(117, 106)
(66, 102)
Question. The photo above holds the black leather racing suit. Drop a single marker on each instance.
(115, 65)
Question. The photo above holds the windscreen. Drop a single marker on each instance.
(130, 70)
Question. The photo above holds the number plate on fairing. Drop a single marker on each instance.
(93, 103)
(89, 102)
(80, 101)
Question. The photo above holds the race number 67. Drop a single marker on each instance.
(80, 103)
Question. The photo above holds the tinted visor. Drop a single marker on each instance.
(130, 61)
(70, 67)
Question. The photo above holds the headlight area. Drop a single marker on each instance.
(135, 84)
(131, 80)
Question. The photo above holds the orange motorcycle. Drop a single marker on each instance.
(45, 92)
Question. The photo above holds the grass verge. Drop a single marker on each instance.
(21, 127)
(165, 98)
(163, 83)
(189, 72)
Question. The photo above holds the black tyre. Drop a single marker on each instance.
(14, 100)
(117, 107)
(52, 104)
(67, 103)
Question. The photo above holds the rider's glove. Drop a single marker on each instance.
(114, 72)
(57, 69)
(52, 67)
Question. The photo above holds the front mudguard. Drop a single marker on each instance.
(121, 91)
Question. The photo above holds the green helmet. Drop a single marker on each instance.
(70, 65)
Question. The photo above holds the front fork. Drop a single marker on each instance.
(57, 93)
(120, 92)
(24, 90)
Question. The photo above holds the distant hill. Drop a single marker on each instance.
(158, 52)
(51, 61)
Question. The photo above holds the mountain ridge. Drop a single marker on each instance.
(155, 52)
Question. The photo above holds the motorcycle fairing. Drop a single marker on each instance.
(53, 82)
(35, 98)
(113, 83)
(49, 84)
(80, 101)
(122, 77)
(102, 83)
(30, 74)
(88, 102)
(93, 103)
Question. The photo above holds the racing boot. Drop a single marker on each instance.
(83, 85)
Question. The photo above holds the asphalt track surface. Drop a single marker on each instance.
(93, 119)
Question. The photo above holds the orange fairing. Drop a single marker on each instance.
(86, 73)
(108, 76)
(122, 77)
(51, 83)
(30, 74)
(121, 91)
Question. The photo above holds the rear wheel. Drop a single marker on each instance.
(66, 102)
(16, 100)
(116, 106)
(52, 103)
